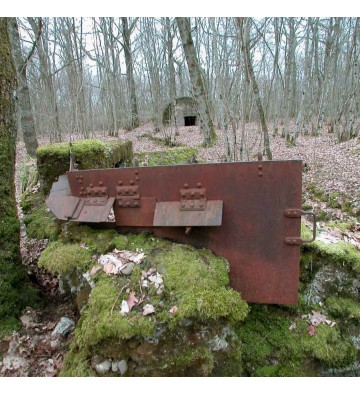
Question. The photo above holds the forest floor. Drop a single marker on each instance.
(331, 177)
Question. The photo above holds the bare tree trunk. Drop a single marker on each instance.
(135, 122)
(48, 78)
(244, 29)
(24, 102)
(197, 82)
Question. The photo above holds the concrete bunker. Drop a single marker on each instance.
(181, 112)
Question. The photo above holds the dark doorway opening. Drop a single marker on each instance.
(190, 121)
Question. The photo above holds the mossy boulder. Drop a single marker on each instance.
(176, 156)
(59, 258)
(197, 340)
(329, 269)
(53, 160)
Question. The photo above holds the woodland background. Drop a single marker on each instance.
(85, 75)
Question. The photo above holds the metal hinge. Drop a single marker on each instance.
(96, 196)
(128, 196)
(193, 199)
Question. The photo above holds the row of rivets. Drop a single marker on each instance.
(198, 185)
(129, 204)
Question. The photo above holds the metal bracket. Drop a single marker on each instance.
(193, 199)
(297, 213)
(95, 196)
(128, 196)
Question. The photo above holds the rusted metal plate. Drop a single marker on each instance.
(93, 212)
(61, 187)
(253, 230)
(63, 207)
(171, 214)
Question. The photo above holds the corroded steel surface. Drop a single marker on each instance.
(251, 233)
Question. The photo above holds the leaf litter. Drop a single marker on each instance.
(314, 319)
(118, 261)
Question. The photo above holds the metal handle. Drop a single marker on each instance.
(296, 213)
(314, 226)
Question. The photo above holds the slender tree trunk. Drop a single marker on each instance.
(197, 82)
(135, 122)
(170, 60)
(24, 103)
(244, 28)
(12, 274)
(47, 77)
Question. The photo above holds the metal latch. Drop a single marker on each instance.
(297, 213)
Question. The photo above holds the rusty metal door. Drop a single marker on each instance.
(251, 215)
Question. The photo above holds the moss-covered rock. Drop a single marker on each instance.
(341, 253)
(199, 339)
(98, 241)
(53, 160)
(177, 156)
(59, 258)
(277, 343)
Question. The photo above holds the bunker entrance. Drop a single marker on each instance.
(190, 121)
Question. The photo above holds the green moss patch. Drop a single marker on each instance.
(343, 308)
(99, 241)
(53, 160)
(169, 157)
(271, 348)
(62, 259)
(329, 347)
(198, 289)
(42, 224)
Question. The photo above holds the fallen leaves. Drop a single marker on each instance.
(130, 302)
(314, 319)
(118, 262)
(148, 278)
(34, 353)
(148, 309)
(173, 310)
(311, 330)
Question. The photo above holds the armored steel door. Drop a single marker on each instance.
(248, 213)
